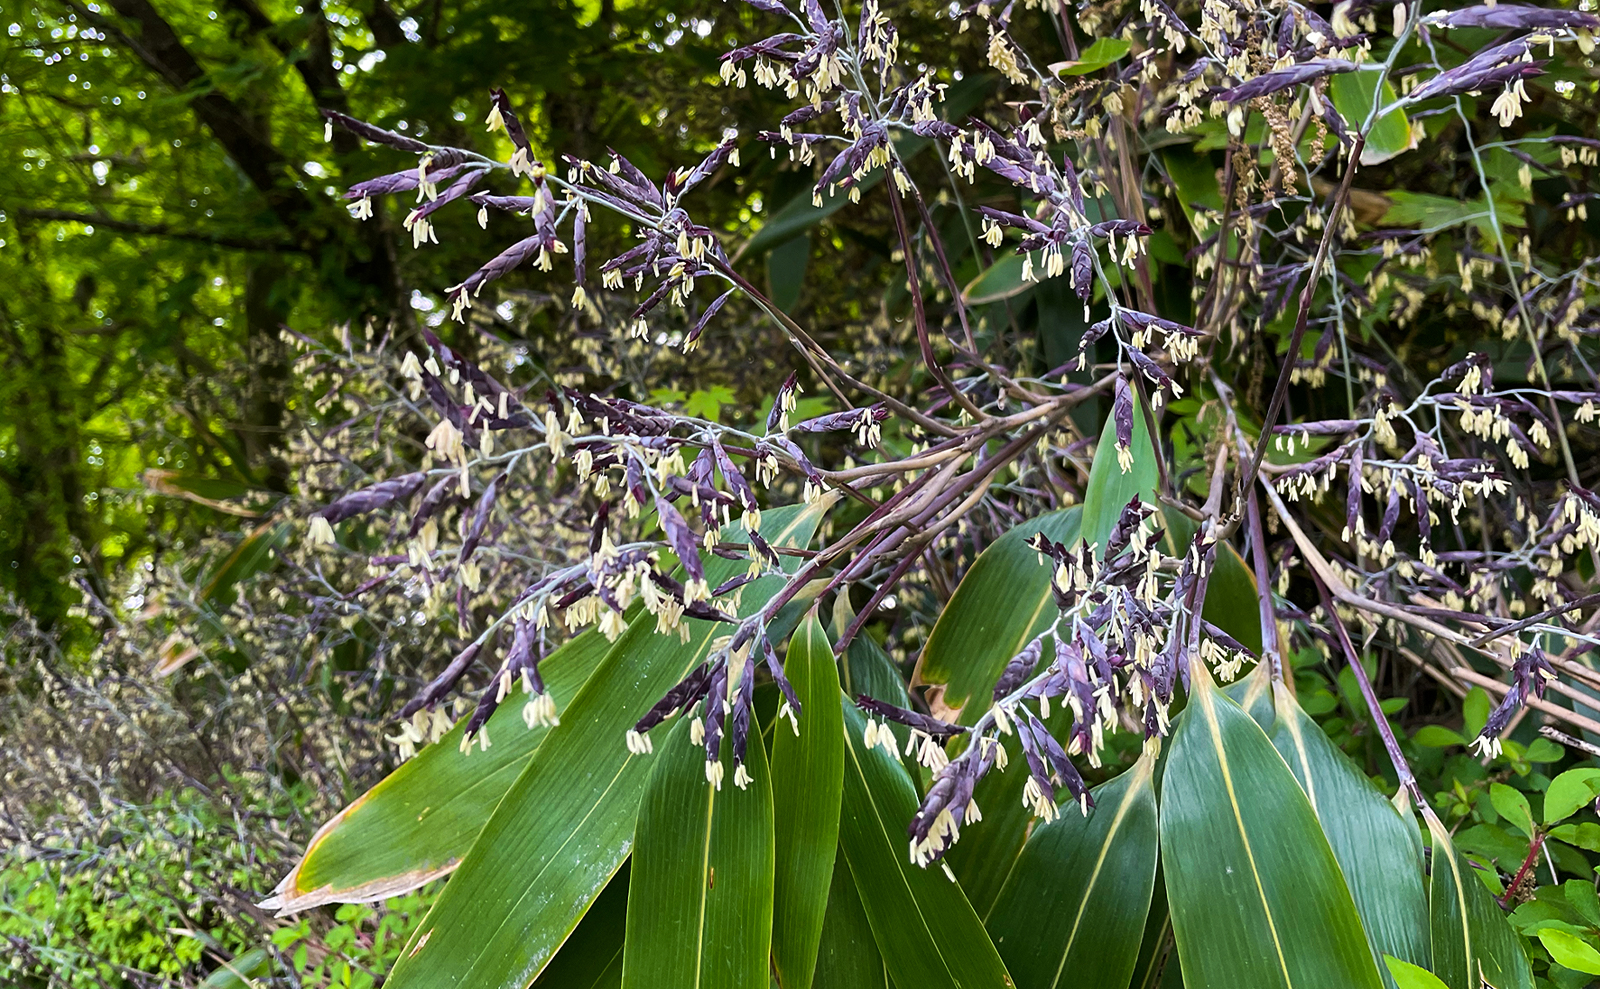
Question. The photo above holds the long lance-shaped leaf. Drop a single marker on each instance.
(700, 890)
(988, 850)
(1110, 488)
(924, 927)
(847, 957)
(1256, 895)
(417, 823)
(592, 956)
(1473, 944)
(809, 767)
(1157, 966)
(1000, 605)
(566, 825)
(1376, 848)
(1073, 909)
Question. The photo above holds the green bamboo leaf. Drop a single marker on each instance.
(1157, 967)
(1075, 904)
(924, 927)
(416, 824)
(1376, 848)
(847, 957)
(700, 891)
(566, 824)
(592, 957)
(809, 767)
(1248, 872)
(1110, 488)
(1003, 601)
(242, 972)
(1001, 280)
(1472, 941)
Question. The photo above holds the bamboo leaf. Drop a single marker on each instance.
(924, 927)
(1003, 601)
(1376, 848)
(847, 958)
(416, 824)
(1110, 488)
(566, 824)
(592, 957)
(700, 891)
(1472, 941)
(1248, 872)
(1074, 907)
(809, 766)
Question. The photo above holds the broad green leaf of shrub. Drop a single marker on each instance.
(1409, 976)
(1248, 871)
(1569, 792)
(809, 768)
(700, 883)
(1074, 905)
(566, 824)
(1571, 951)
(924, 927)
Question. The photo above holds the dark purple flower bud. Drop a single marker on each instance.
(1529, 672)
(1513, 17)
(384, 185)
(855, 419)
(377, 135)
(680, 538)
(775, 666)
(714, 713)
(929, 726)
(370, 499)
(1019, 669)
(705, 317)
(735, 481)
(762, 550)
(782, 401)
(739, 718)
(513, 125)
(1293, 75)
(1119, 228)
(1083, 269)
(441, 684)
(431, 502)
(686, 692)
(480, 518)
(1122, 418)
(1352, 505)
(1150, 369)
(1134, 514)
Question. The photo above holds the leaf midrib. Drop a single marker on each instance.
(1094, 876)
(1207, 697)
(899, 869)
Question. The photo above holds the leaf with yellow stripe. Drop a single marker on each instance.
(809, 767)
(1256, 895)
(1003, 602)
(417, 823)
(700, 885)
(1473, 943)
(1377, 849)
(1073, 909)
(566, 825)
(925, 929)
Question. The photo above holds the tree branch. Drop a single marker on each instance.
(158, 230)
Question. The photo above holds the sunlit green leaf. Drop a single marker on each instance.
(566, 824)
(1569, 792)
